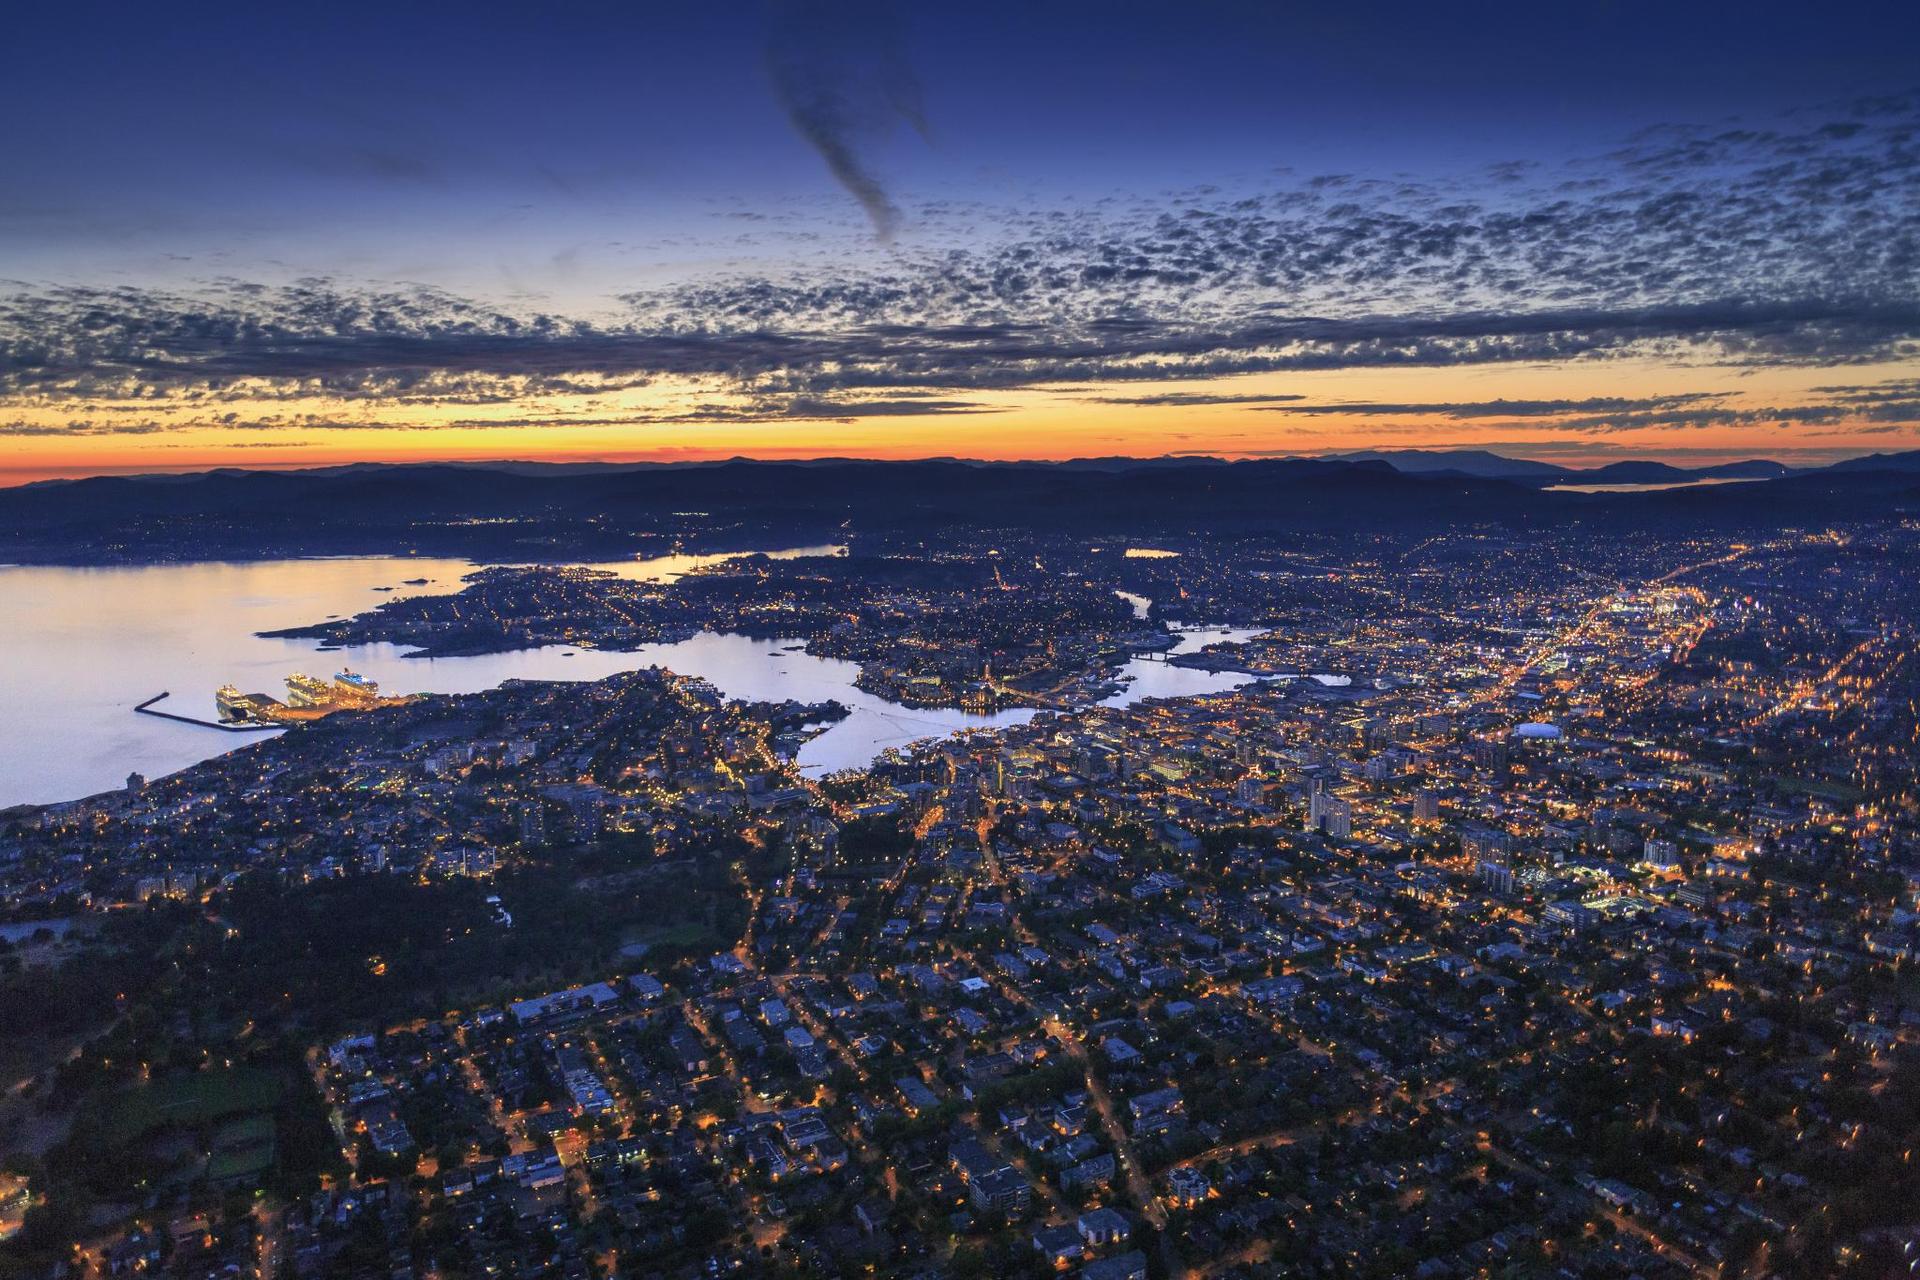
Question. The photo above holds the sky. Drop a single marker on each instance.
(283, 236)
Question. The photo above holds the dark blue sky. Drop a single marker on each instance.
(177, 130)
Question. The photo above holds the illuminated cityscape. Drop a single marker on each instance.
(824, 638)
(1500, 923)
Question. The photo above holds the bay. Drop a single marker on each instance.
(81, 647)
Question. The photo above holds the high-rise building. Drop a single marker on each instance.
(1657, 852)
(1497, 876)
(1316, 806)
(1328, 812)
(1338, 818)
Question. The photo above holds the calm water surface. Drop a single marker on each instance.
(1148, 679)
(80, 648)
(1649, 487)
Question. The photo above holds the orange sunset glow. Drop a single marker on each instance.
(1309, 414)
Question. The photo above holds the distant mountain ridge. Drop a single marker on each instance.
(603, 512)
(1480, 462)
(1467, 462)
(1908, 461)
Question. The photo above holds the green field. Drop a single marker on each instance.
(686, 933)
(188, 1099)
(1827, 788)
(247, 1162)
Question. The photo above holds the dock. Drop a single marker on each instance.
(147, 709)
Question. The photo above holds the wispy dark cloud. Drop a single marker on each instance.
(841, 75)
(1896, 403)
(770, 409)
(1186, 399)
(81, 427)
(1499, 408)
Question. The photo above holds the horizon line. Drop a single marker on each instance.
(1702, 459)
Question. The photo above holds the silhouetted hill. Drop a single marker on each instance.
(1643, 472)
(1466, 462)
(1479, 462)
(530, 513)
(1908, 461)
(1633, 472)
(1751, 469)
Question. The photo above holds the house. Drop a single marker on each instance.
(1004, 1190)
(1059, 1245)
(972, 1159)
(914, 1092)
(1189, 1185)
(1125, 1266)
(1100, 1227)
(1096, 1171)
(873, 1214)
(1154, 1103)
(687, 1051)
(561, 1003)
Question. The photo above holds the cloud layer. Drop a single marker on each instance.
(1796, 245)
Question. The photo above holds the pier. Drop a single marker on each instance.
(147, 709)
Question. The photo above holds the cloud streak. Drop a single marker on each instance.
(841, 76)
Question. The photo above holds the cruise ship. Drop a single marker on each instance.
(244, 708)
(308, 698)
(346, 689)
